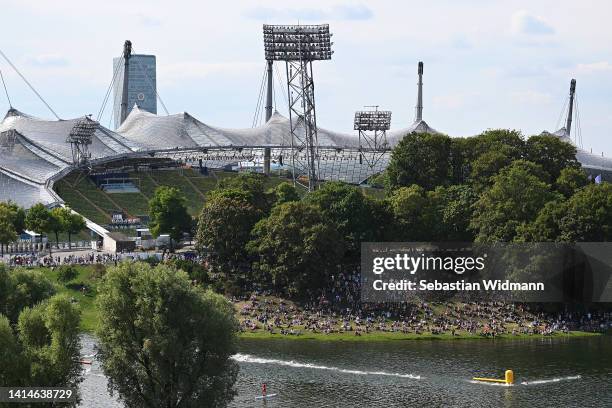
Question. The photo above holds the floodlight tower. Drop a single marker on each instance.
(372, 126)
(80, 138)
(298, 46)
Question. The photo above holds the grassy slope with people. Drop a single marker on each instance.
(89, 277)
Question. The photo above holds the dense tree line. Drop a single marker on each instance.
(494, 187)
(14, 220)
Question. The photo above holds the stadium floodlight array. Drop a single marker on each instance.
(297, 42)
(80, 137)
(372, 120)
(372, 126)
(298, 46)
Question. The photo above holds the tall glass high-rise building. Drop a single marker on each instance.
(142, 85)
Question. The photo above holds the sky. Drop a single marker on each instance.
(488, 64)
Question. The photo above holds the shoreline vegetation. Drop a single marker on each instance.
(89, 276)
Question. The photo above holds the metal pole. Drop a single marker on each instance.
(127, 52)
(419, 107)
(570, 112)
(267, 150)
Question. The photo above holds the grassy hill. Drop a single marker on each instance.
(81, 194)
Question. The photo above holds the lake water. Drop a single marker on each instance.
(548, 373)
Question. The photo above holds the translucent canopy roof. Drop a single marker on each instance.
(34, 151)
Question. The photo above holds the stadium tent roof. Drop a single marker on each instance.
(34, 152)
(587, 159)
(183, 131)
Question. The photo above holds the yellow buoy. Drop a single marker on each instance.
(508, 378)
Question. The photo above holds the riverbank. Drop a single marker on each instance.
(347, 337)
(83, 288)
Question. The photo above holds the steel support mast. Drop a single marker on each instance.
(298, 46)
(372, 127)
(127, 53)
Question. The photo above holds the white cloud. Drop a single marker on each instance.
(524, 23)
(190, 70)
(48, 60)
(531, 97)
(339, 12)
(593, 67)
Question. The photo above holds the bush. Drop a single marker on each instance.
(98, 271)
(66, 273)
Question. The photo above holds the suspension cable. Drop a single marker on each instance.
(281, 85)
(8, 98)
(259, 99)
(109, 89)
(29, 84)
(561, 115)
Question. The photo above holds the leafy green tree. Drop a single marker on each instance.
(57, 223)
(284, 193)
(7, 230)
(252, 186)
(453, 211)
(298, 249)
(420, 158)
(545, 228)
(50, 338)
(587, 215)
(515, 198)
(21, 288)
(570, 180)
(224, 228)
(552, 153)
(15, 214)
(72, 223)
(38, 219)
(169, 214)
(408, 204)
(489, 164)
(164, 342)
(351, 212)
(13, 367)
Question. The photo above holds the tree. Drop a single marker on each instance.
(38, 219)
(552, 153)
(50, 339)
(7, 229)
(408, 204)
(21, 288)
(224, 228)
(515, 198)
(251, 185)
(169, 214)
(351, 212)
(298, 248)
(72, 224)
(15, 214)
(587, 215)
(58, 223)
(164, 342)
(13, 367)
(486, 153)
(570, 180)
(453, 212)
(420, 158)
(285, 192)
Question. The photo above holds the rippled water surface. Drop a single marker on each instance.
(548, 373)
